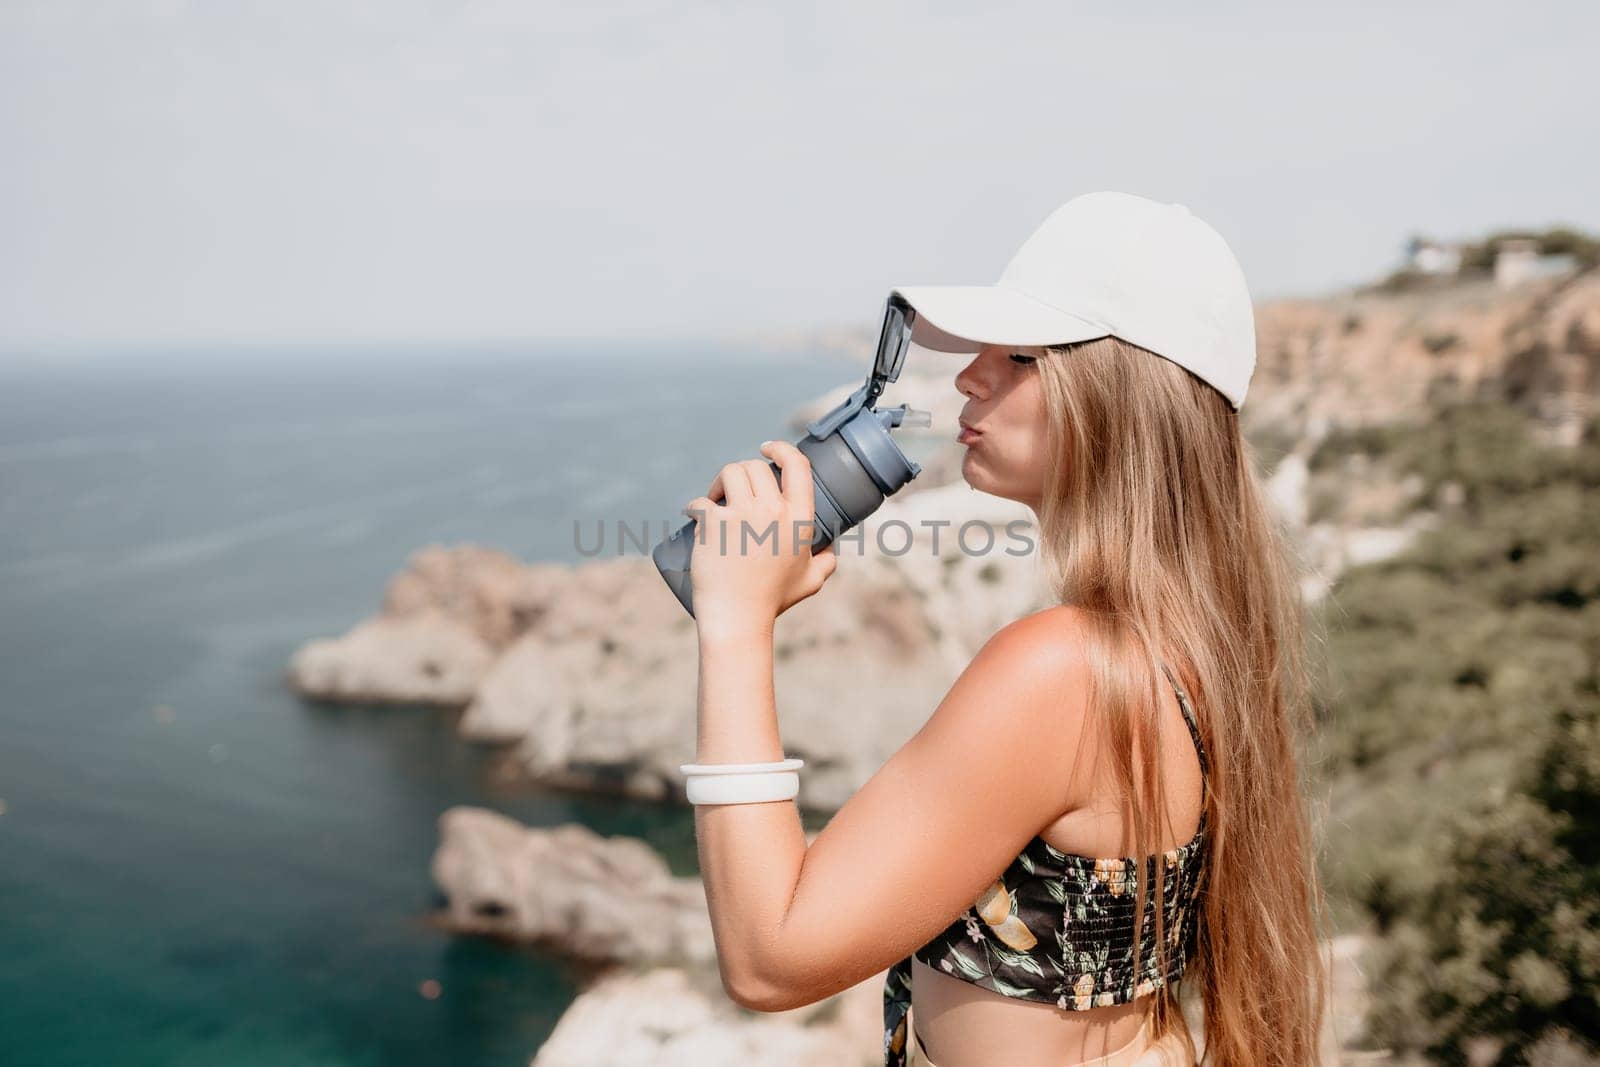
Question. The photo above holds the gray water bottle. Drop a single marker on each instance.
(855, 463)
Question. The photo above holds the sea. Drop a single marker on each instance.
(198, 867)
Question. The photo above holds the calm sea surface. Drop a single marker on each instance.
(195, 866)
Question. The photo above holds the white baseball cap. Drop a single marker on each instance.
(1108, 264)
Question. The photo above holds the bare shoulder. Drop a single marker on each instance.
(1040, 661)
(1045, 644)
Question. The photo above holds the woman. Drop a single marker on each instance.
(1106, 805)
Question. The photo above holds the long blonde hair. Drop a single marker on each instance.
(1155, 526)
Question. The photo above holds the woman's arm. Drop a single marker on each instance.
(920, 841)
(926, 835)
(750, 854)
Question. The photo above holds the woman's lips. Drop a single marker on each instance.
(968, 434)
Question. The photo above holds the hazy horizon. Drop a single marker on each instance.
(347, 176)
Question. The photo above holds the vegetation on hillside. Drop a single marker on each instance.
(1460, 738)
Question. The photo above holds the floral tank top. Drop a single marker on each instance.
(1058, 928)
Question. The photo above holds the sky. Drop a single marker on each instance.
(336, 172)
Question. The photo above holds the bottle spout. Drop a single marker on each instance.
(906, 416)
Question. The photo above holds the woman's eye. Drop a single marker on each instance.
(1024, 360)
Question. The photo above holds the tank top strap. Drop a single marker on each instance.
(1191, 721)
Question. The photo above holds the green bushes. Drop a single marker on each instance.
(1459, 738)
(1505, 946)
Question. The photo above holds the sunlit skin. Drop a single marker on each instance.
(1005, 402)
(992, 766)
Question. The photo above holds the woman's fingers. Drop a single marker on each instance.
(701, 506)
(762, 480)
(732, 483)
(752, 489)
(818, 570)
(823, 564)
(796, 476)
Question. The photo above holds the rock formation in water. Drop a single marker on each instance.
(589, 671)
(667, 1017)
(583, 895)
(611, 904)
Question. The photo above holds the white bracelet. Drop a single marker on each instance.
(791, 764)
(742, 783)
(742, 788)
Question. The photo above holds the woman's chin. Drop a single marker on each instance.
(972, 473)
(977, 479)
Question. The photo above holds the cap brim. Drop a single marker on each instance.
(964, 318)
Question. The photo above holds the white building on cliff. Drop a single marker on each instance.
(1517, 259)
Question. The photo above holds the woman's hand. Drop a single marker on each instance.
(752, 554)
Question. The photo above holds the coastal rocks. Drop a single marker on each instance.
(1288, 489)
(972, 561)
(611, 903)
(666, 1018)
(1356, 513)
(589, 673)
(1331, 549)
(487, 591)
(444, 619)
(1555, 366)
(525, 693)
(1368, 357)
(422, 658)
(601, 694)
(588, 897)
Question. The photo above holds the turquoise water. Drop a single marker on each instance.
(195, 866)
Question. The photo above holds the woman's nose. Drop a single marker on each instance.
(968, 383)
